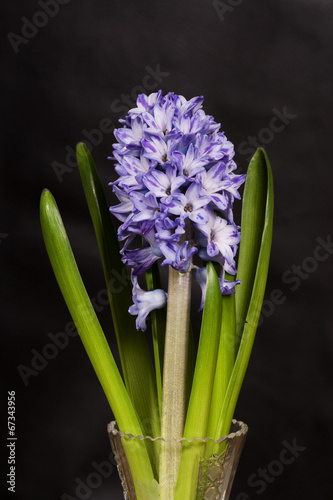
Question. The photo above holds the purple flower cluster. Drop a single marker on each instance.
(176, 186)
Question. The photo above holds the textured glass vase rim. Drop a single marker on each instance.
(242, 431)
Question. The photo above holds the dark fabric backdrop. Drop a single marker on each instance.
(74, 70)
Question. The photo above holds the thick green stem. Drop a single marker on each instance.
(174, 379)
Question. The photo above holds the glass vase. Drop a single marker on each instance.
(215, 476)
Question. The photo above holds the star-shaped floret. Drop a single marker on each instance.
(190, 205)
(164, 185)
(222, 238)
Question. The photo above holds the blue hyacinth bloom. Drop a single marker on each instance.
(176, 186)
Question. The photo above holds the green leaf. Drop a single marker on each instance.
(90, 331)
(158, 325)
(134, 353)
(202, 388)
(116, 274)
(257, 224)
(254, 217)
(224, 366)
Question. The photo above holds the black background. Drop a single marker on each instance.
(249, 59)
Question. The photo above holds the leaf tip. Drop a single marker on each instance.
(81, 147)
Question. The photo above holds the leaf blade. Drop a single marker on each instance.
(90, 331)
(224, 367)
(134, 353)
(256, 296)
(252, 223)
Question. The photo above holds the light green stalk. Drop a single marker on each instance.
(174, 379)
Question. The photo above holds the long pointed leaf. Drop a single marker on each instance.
(134, 353)
(92, 336)
(158, 325)
(252, 224)
(260, 187)
(224, 366)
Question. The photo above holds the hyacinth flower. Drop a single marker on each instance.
(176, 187)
